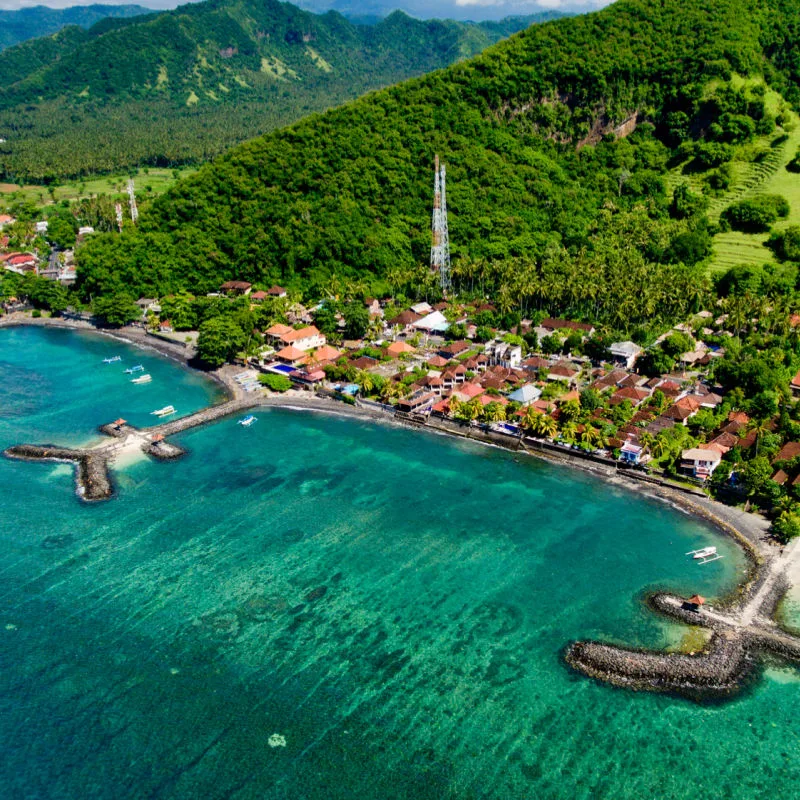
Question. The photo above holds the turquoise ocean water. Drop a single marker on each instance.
(319, 608)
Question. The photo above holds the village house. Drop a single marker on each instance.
(630, 452)
(526, 394)
(21, 263)
(795, 385)
(258, 297)
(624, 353)
(454, 350)
(504, 354)
(478, 363)
(563, 371)
(551, 325)
(5, 220)
(633, 394)
(307, 338)
(418, 403)
(700, 463)
(292, 355)
(397, 349)
(276, 291)
(236, 288)
(373, 307)
(404, 322)
(437, 362)
(432, 323)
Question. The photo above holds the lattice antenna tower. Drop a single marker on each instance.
(440, 245)
(132, 202)
(118, 208)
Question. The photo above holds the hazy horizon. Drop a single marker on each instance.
(453, 9)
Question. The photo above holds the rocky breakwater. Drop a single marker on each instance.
(91, 467)
(740, 640)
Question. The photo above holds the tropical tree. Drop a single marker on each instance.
(494, 412)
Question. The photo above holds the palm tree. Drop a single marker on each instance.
(660, 446)
(569, 430)
(571, 409)
(390, 391)
(760, 427)
(366, 381)
(546, 426)
(646, 440)
(455, 406)
(494, 412)
(530, 419)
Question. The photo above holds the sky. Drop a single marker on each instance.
(457, 9)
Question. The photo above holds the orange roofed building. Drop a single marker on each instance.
(396, 349)
(308, 338)
(292, 356)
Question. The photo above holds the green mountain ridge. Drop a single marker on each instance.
(547, 205)
(180, 86)
(30, 23)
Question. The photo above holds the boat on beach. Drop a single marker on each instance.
(137, 368)
(247, 421)
(142, 379)
(112, 360)
(163, 412)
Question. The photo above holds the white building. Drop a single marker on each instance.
(625, 353)
(700, 463)
(504, 354)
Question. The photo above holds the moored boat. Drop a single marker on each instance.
(142, 379)
(112, 360)
(163, 412)
(247, 421)
(137, 368)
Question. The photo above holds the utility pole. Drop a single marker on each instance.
(118, 208)
(440, 245)
(132, 202)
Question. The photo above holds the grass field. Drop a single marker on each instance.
(158, 181)
(767, 175)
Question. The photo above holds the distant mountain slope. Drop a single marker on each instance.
(182, 85)
(30, 23)
(557, 143)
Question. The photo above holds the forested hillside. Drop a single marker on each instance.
(29, 23)
(557, 143)
(182, 86)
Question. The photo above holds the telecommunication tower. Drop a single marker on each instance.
(440, 246)
(132, 201)
(119, 216)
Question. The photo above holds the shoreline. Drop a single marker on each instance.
(735, 640)
(748, 530)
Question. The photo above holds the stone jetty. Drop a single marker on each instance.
(741, 638)
(92, 464)
(91, 467)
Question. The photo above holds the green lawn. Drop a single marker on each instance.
(767, 175)
(158, 181)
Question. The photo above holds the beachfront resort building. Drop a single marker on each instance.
(699, 462)
(307, 338)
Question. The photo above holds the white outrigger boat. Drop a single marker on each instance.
(112, 360)
(164, 412)
(247, 421)
(137, 368)
(705, 555)
(142, 379)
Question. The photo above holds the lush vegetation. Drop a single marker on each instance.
(549, 209)
(30, 23)
(160, 90)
